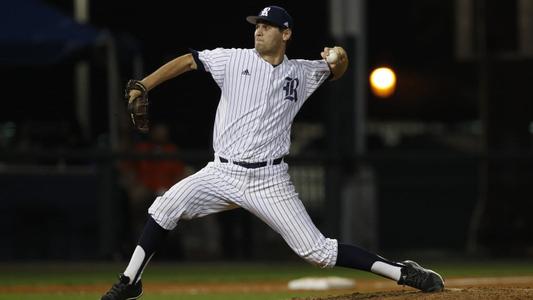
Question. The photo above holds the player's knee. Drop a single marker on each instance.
(164, 216)
(167, 211)
(322, 254)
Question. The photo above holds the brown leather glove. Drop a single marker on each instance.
(138, 105)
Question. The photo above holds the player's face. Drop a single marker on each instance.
(268, 38)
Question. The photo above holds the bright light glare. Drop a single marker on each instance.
(383, 82)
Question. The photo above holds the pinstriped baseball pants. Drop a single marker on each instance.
(266, 192)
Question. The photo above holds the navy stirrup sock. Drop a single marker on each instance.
(152, 236)
(351, 256)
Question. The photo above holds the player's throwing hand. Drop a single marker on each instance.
(337, 60)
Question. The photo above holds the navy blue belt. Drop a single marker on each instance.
(253, 165)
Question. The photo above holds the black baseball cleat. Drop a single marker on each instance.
(122, 290)
(426, 280)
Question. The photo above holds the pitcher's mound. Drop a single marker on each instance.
(450, 293)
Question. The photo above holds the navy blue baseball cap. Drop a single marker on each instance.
(273, 14)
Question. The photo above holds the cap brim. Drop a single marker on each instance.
(253, 19)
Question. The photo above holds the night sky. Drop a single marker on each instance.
(414, 37)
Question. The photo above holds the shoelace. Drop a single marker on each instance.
(116, 289)
(416, 278)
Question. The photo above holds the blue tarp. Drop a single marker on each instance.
(32, 32)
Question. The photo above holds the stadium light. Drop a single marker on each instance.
(383, 82)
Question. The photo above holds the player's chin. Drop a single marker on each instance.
(260, 47)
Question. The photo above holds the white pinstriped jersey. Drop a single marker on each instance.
(258, 101)
(253, 122)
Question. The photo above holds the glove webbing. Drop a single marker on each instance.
(135, 85)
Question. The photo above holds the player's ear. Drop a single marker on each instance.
(287, 33)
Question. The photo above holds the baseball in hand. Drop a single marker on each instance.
(332, 57)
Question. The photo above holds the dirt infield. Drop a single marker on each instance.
(453, 293)
(456, 288)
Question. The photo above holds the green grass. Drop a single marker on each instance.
(48, 296)
(85, 273)
(225, 296)
(43, 274)
(485, 268)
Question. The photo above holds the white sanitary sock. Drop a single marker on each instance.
(135, 264)
(386, 270)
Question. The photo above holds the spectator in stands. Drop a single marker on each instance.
(147, 178)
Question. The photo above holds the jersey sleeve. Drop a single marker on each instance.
(317, 72)
(215, 62)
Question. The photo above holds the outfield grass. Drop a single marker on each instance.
(87, 273)
(43, 274)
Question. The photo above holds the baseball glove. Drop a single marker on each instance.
(138, 106)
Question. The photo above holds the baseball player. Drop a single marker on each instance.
(262, 90)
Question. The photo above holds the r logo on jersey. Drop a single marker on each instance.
(290, 89)
(264, 12)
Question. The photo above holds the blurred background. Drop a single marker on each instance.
(440, 163)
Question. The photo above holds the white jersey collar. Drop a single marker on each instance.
(285, 58)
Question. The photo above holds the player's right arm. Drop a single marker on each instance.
(167, 71)
(212, 61)
(170, 70)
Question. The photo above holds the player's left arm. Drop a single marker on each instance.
(339, 66)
